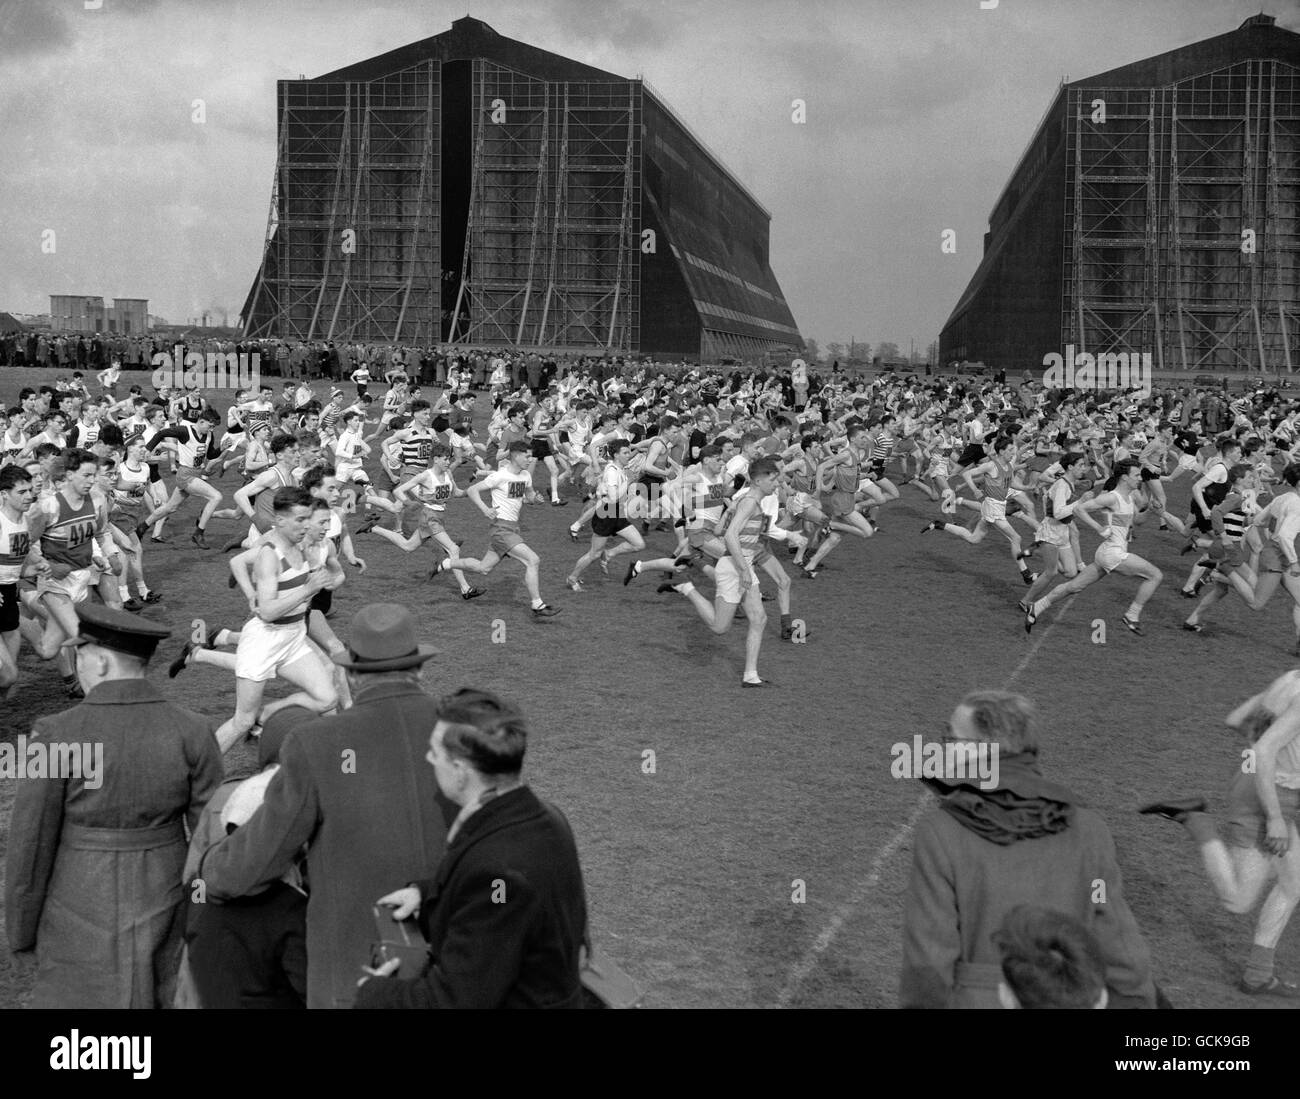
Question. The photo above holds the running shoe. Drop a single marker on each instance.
(545, 611)
(809, 574)
(633, 571)
(1177, 811)
(1134, 627)
(670, 585)
(604, 562)
(198, 539)
(760, 683)
(181, 662)
(1194, 627)
(135, 606)
(559, 503)
(573, 584)
(473, 593)
(367, 526)
(1274, 986)
(1030, 619)
(153, 597)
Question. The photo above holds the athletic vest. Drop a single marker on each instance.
(435, 498)
(70, 539)
(264, 505)
(847, 475)
(416, 450)
(752, 531)
(996, 485)
(708, 502)
(290, 577)
(131, 485)
(1121, 519)
(14, 544)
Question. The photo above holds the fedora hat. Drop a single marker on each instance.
(382, 639)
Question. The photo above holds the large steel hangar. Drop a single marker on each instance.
(1156, 210)
(474, 189)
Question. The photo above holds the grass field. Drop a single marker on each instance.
(690, 870)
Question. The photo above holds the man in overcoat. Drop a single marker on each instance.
(1022, 840)
(505, 914)
(355, 789)
(97, 846)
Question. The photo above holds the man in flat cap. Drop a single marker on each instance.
(355, 788)
(97, 840)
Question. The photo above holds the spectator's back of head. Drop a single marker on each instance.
(1049, 959)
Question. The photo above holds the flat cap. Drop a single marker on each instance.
(117, 629)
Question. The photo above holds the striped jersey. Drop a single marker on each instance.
(290, 576)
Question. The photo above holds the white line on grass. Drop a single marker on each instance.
(821, 944)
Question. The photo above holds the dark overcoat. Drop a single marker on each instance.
(356, 789)
(504, 915)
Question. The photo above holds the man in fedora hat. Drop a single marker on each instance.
(97, 838)
(355, 789)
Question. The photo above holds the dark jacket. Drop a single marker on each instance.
(356, 789)
(504, 915)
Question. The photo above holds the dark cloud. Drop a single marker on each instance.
(28, 29)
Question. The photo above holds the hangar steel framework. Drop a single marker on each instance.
(1182, 219)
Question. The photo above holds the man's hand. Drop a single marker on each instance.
(403, 902)
(358, 563)
(386, 970)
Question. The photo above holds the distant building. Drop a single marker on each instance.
(1154, 211)
(475, 189)
(89, 314)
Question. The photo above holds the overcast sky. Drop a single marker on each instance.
(917, 111)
